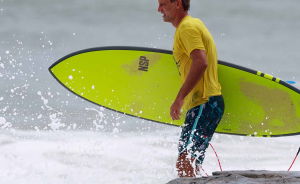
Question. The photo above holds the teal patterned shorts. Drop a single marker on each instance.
(199, 127)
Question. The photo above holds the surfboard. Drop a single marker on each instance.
(143, 82)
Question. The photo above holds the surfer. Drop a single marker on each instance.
(195, 54)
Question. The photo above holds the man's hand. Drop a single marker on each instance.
(176, 108)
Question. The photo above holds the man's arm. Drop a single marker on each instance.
(198, 67)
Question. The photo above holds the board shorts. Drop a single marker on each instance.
(199, 127)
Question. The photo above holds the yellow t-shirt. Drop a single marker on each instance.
(192, 34)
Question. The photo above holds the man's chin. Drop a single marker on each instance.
(166, 19)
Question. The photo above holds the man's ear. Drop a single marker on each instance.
(178, 4)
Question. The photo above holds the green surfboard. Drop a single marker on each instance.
(143, 82)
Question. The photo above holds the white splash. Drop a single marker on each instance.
(99, 121)
(56, 121)
(4, 124)
(54, 115)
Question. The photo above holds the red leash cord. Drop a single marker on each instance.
(216, 156)
(221, 165)
(294, 159)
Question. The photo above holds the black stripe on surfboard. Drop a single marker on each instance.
(255, 73)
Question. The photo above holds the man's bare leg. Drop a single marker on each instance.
(184, 166)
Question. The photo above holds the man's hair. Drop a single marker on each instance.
(185, 4)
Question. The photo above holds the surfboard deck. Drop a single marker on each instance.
(143, 82)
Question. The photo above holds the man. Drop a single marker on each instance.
(196, 57)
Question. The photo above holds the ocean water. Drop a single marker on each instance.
(48, 135)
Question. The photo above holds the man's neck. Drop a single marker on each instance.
(179, 18)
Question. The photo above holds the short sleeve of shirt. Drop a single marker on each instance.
(191, 39)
